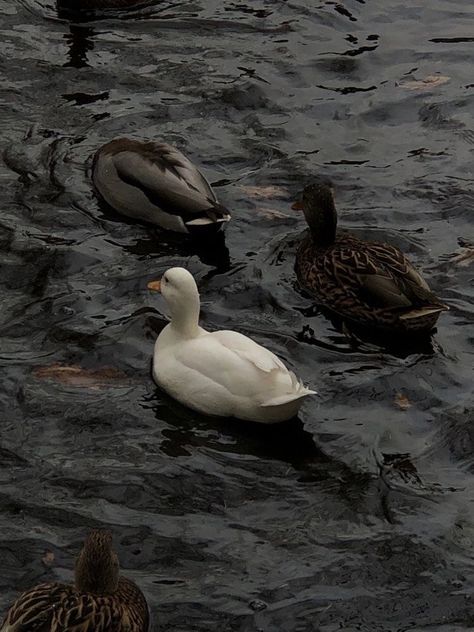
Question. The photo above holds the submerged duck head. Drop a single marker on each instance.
(318, 206)
(97, 566)
(181, 294)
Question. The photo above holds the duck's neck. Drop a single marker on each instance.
(185, 316)
(322, 226)
(96, 573)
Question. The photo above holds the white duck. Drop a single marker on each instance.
(221, 373)
(154, 182)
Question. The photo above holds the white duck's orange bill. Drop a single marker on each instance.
(154, 286)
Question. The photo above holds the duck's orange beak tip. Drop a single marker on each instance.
(154, 286)
(297, 206)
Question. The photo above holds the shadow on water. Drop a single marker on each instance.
(287, 442)
(366, 339)
(209, 246)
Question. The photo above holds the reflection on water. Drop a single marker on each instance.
(358, 515)
(79, 41)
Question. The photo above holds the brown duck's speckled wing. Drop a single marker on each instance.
(59, 608)
(33, 611)
(378, 274)
(398, 264)
(87, 613)
(369, 283)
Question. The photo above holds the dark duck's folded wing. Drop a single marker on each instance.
(156, 182)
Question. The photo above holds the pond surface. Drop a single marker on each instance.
(357, 516)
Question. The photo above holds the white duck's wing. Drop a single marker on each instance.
(249, 350)
(170, 181)
(288, 386)
(243, 367)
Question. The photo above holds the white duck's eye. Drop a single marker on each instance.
(165, 279)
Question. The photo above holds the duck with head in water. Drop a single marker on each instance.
(369, 283)
(154, 182)
(221, 373)
(91, 5)
(100, 600)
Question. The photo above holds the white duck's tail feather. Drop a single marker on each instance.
(298, 391)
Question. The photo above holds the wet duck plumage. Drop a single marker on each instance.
(90, 5)
(99, 601)
(370, 283)
(156, 183)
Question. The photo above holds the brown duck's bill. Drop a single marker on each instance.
(154, 286)
(297, 206)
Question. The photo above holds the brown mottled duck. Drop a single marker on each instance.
(99, 601)
(369, 283)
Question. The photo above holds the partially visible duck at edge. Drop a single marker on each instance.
(99, 601)
(90, 5)
(370, 283)
(156, 183)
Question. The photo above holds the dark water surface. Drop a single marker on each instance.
(359, 516)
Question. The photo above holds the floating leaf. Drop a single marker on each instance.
(271, 213)
(402, 401)
(48, 558)
(428, 83)
(74, 375)
(265, 192)
(464, 257)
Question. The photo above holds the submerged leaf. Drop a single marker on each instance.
(271, 213)
(48, 558)
(402, 401)
(432, 81)
(464, 257)
(74, 375)
(265, 192)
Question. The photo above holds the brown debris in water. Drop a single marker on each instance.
(428, 83)
(266, 192)
(74, 375)
(48, 558)
(402, 401)
(464, 257)
(271, 213)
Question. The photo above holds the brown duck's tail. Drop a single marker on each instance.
(421, 312)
